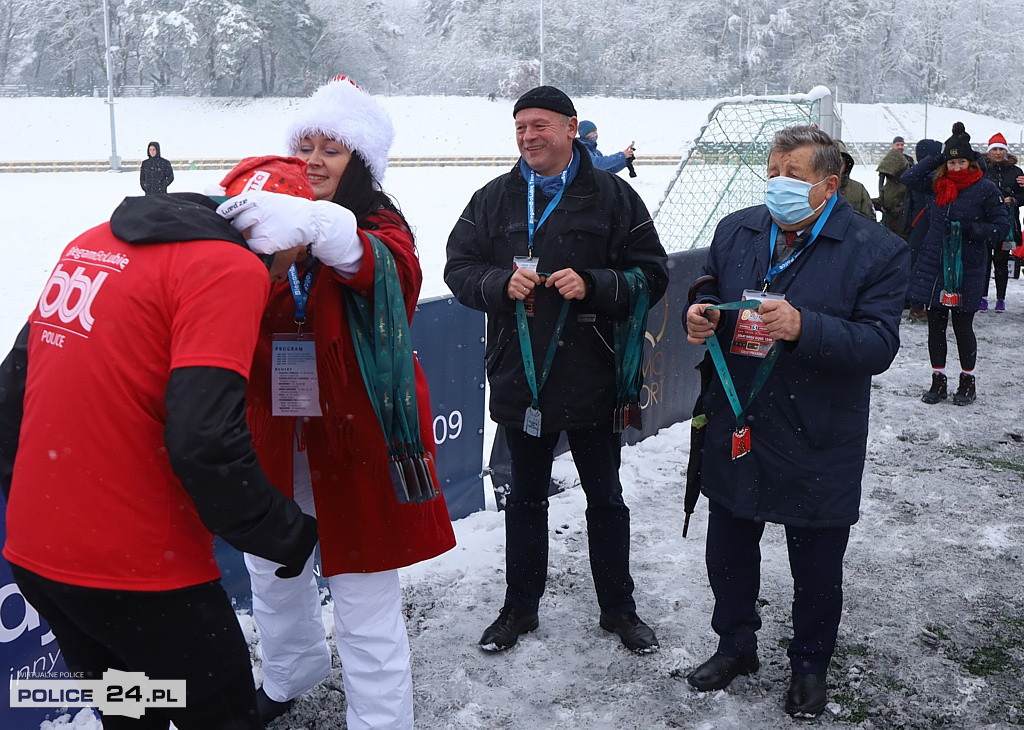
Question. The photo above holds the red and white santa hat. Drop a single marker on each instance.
(342, 111)
(997, 140)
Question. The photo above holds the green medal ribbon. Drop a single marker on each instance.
(952, 264)
(526, 349)
(383, 347)
(629, 351)
(718, 357)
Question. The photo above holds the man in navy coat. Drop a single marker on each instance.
(831, 287)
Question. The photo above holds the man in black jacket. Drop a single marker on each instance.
(562, 258)
(156, 172)
(124, 445)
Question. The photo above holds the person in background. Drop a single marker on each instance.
(830, 286)
(156, 173)
(123, 446)
(553, 242)
(1001, 168)
(891, 198)
(357, 451)
(855, 193)
(612, 163)
(917, 201)
(966, 218)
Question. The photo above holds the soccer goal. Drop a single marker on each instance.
(726, 168)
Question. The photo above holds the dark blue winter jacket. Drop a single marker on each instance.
(809, 423)
(984, 221)
(611, 163)
(916, 221)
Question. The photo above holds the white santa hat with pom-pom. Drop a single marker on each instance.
(342, 111)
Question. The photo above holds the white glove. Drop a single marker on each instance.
(278, 222)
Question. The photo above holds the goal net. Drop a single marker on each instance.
(726, 167)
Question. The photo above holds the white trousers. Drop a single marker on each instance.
(369, 631)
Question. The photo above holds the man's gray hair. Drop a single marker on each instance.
(825, 158)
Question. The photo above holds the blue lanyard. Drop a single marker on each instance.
(782, 266)
(531, 209)
(300, 291)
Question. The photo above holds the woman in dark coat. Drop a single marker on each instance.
(965, 219)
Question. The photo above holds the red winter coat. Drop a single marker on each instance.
(363, 528)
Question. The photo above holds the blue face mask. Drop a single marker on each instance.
(787, 199)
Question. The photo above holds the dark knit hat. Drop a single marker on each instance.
(958, 146)
(545, 97)
(898, 139)
(927, 148)
(586, 127)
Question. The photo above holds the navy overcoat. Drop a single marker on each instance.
(984, 222)
(809, 424)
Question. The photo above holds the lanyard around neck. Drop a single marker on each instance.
(782, 266)
(300, 289)
(531, 209)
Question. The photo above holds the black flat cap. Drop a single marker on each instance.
(545, 97)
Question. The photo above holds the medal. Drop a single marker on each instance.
(531, 422)
(740, 442)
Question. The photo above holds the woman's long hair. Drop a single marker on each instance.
(359, 192)
(943, 169)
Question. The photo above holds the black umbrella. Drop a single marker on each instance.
(698, 424)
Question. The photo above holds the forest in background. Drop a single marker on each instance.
(864, 50)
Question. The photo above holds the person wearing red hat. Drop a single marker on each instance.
(340, 414)
(123, 446)
(1001, 168)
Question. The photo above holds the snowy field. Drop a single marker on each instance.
(933, 626)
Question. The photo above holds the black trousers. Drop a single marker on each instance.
(734, 568)
(596, 453)
(189, 634)
(963, 331)
(999, 258)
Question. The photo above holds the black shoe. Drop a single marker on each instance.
(504, 632)
(636, 636)
(807, 695)
(938, 390)
(718, 671)
(966, 392)
(270, 709)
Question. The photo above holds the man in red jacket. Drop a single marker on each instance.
(124, 445)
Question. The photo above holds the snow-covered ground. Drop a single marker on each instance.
(933, 628)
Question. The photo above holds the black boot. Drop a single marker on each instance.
(938, 390)
(965, 392)
(504, 632)
(271, 709)
(635, 635)
(807, 695)
(719, 671)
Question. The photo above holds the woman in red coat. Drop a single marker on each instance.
(324, 427)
